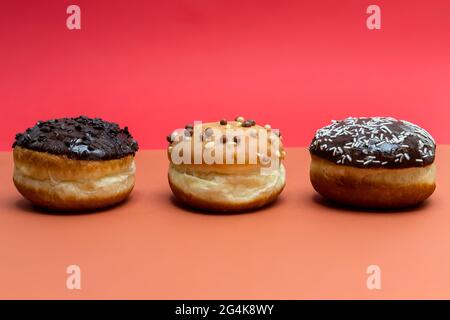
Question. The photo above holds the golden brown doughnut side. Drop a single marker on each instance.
(209, 199)
(222, 206)
(57, 182)
(372, 187)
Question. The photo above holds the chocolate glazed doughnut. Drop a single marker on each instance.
(373, 162)
(74, 163)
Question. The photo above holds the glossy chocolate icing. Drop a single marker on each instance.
(374, 142)
(79, 138)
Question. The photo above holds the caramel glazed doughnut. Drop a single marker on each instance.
(226, 165)
(373, 162)
(74, 163)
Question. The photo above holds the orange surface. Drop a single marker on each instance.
(299, 248)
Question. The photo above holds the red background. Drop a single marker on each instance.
(155, 65)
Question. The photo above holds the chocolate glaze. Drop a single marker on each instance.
(374, 142)
(79, 138)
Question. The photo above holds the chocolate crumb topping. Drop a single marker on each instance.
(374, 142)
(248, 123)
(79, 138)
(189, 132)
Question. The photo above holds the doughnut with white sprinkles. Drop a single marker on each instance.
(374, 142)
(377, 162)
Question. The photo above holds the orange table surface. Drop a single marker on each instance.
(299, 248)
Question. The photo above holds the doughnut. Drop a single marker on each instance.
(226, 165)
(73, 164)
(375, 162)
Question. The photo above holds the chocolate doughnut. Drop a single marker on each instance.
(74, 163)
(241, 178)
(374, 162)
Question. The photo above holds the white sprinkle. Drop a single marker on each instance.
(386, 128)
